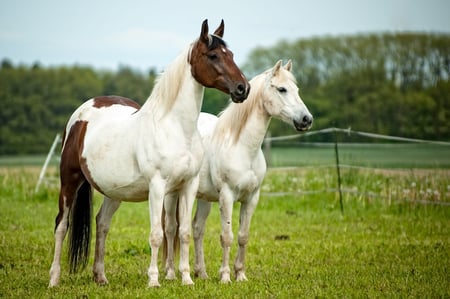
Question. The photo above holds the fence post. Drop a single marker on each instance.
(47, 160)
(338, 169)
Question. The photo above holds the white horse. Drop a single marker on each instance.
(131, 153)
(234, 166)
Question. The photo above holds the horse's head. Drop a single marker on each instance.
(212, 64)
(282, 99)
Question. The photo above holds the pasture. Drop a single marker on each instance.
(393, 240)
(377, 155)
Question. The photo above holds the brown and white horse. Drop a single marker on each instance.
(132, 153)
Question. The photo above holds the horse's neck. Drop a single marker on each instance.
(250, 127)
(253, 132)
(176, 95)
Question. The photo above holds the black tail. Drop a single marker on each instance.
(80, 228)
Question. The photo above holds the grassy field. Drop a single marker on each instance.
(387, 243)
(367, 155)
(397, 155)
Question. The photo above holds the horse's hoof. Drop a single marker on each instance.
(186, 280)
(201, 274)
(101, 280)
(54, 276)
(240, 276)
(171, 275)
(154, 284)
(225, 278)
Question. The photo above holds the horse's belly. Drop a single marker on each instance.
(122, 187)
(114, 172)
(133, 193)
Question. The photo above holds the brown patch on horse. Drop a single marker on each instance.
(107, 101)
(87, 174)
(70, 169)
(73, 166)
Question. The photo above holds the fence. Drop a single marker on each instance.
(334, 156)
(440, 153)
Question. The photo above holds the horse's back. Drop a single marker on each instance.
(100, 109)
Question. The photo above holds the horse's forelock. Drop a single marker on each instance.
(215, 41)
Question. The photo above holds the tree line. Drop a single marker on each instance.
(396, 84)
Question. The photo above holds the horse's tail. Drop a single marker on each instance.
(80, 227)
(176, 241)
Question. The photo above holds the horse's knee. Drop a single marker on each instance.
(170, 229)
(156, 238)
(185, 236)
(102, 228)
(226, 239)
(242, 240)
(197, 234)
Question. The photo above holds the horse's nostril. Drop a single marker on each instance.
(307, 120)
(240, 88)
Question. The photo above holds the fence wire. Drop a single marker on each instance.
(349, 132)
(339, 189)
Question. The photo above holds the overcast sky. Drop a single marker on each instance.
(150, 33)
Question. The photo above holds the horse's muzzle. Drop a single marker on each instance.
(304, 123)
(240, 93)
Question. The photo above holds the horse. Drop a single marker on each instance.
(233, 167)
(134, 154)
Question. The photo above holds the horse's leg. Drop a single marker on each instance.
(226, 236)
(185, 205)
(198, 227)
(70, 182)
(246, 213)
(156, 199)
(103, 219)
(60, 233)
(170, 229)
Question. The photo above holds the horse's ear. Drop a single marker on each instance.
(276, 68)
(219, 31)
(204, 34)
(288, 66)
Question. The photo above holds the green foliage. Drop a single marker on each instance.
(394, 84)
(37, 102)
(214, 101)
(300, 245)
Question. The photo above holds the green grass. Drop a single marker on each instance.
(395, 155)
(384, 245)
(27, 160)
(370, 155)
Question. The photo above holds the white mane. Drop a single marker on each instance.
(167, 85)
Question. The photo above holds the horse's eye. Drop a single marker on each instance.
(212, 56)
(281, 89)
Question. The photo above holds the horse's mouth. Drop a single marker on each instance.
(240, 94)
(237, 99)
(304, 125)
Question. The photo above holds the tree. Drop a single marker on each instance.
(383, 83)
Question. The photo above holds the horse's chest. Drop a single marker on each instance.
(242, 182)
(182, 167)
